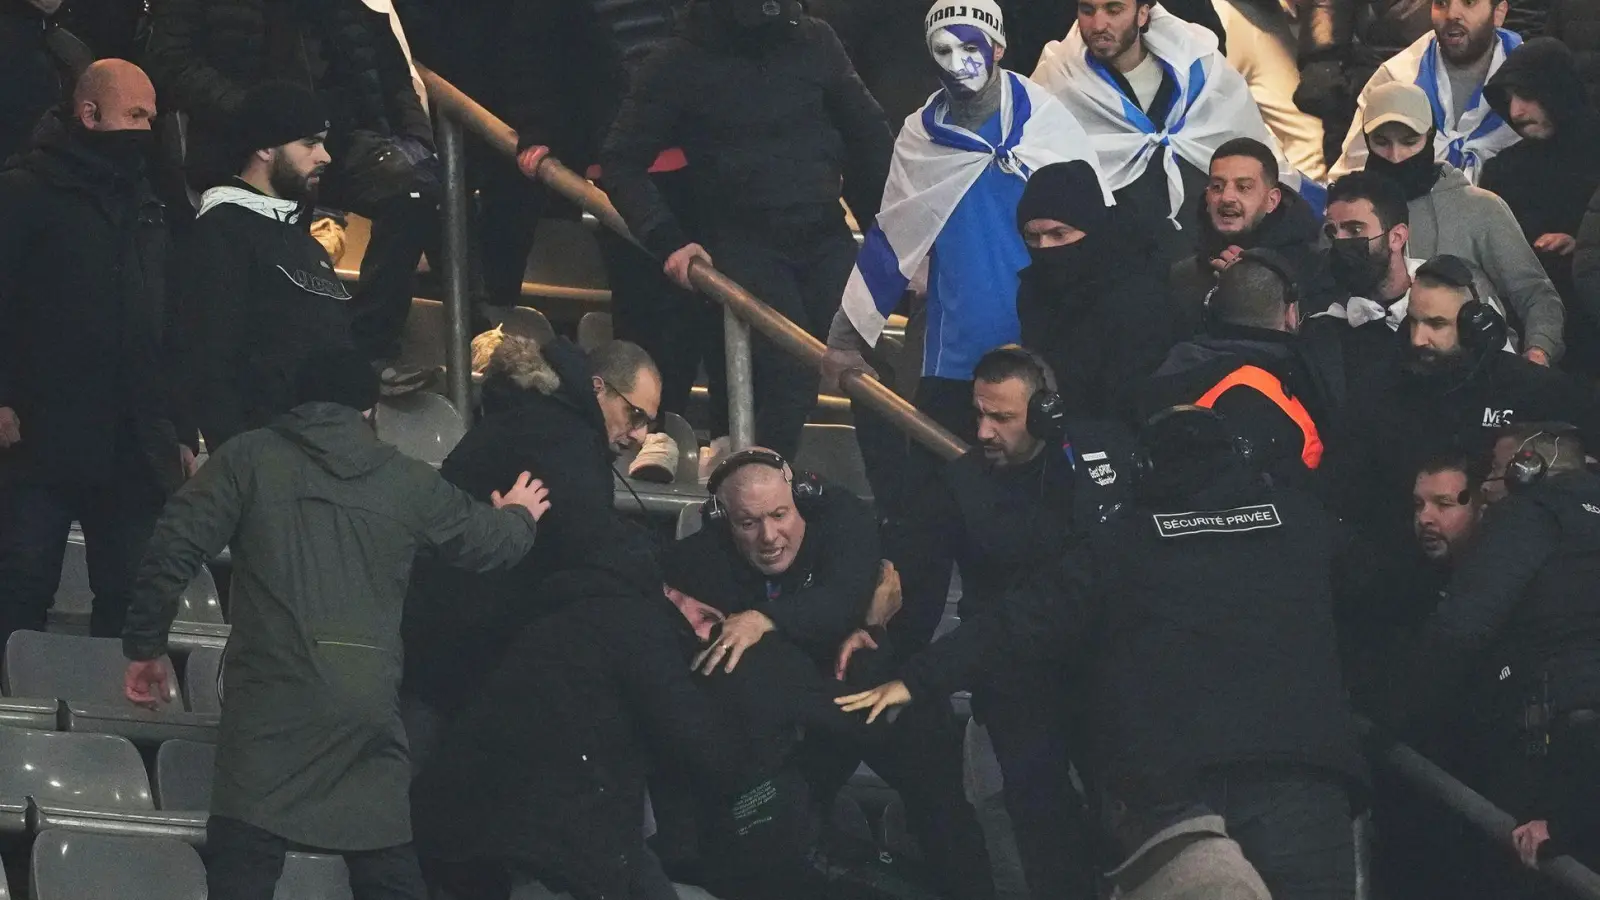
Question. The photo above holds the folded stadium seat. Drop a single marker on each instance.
(594, 329)
(529, 323)
(892, 832)
(423, 425)
(96, 772)
(86, 675)
(682, 434)
(69, 866)
(74, 599)
(688, 521)
(202, 682)
(183, 775)
(311, 876)
(849, 819)
(423, 343)
(832, 452)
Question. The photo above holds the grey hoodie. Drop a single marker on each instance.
(1476, 225)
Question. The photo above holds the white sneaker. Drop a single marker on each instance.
(712, 455)
(657, 460)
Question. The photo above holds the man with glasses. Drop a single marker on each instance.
(564, 415)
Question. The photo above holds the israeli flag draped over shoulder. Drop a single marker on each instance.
(1468, 143)
(935, 163)
(1213, 105)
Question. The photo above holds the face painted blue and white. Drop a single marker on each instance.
(966, 58)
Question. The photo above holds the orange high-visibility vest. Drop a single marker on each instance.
(1267, 384)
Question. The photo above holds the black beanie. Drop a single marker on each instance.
(1067, 192)
(336, 375)
(274, 113)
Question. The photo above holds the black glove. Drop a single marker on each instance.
(1324, 90)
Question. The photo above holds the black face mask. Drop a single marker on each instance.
(1416, 176)
(1059, 268)
(126, 150)
(1357, 266)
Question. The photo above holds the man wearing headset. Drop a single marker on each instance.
(1519, 631)
(1203, 618)
(1004, 510)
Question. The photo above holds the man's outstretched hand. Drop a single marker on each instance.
(740, 632)
(858, 640)
(528, 493)
(880, 698)
(148, 683)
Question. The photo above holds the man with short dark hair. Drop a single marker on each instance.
(1247, 207)
(86, 412)
(324, 521)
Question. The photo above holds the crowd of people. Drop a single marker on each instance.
(1274, 330)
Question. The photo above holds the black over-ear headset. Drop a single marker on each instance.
(1479, 325)
(1528, 466)
(805, 486)
(1047, 412)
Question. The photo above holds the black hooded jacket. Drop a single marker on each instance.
(1291, 231)
(83, 314)
(768, 127)
(1548, 183)
(457, 623)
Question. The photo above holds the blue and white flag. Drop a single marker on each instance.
(1213, 105)
(1466, 143)
(935, 163)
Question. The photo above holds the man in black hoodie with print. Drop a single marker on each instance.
(771, 117)
(1548, 177)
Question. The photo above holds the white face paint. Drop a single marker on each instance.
(964, 65)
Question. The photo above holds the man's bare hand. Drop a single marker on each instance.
(740, 632)
(880, 698)
(1528, 839)
(10, 428)
(1536, 355)
(837, 362)
(858, 640)
(1557, 243)
(148, 683)
(186, 461)
(1227, 258)
(528, 493)
(886, 597)
(677, 265)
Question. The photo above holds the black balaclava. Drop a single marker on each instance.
(1068, 192)
(1416, 176)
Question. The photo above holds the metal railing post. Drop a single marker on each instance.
(741, 381)
(458, 343)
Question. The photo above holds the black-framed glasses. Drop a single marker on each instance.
(637, 417)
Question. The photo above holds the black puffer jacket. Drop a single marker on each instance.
(458, 623)
(768, 128)
(1547, 183)
(204, 54)
(83, 314)
(1576, 23)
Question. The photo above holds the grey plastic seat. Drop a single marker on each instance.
(683, 435)
(832, 452)
(594, 329)
(202, 682)
(74, 600)
(73, 866)
(529, 323)
(81, 771)
(689, 521)
(86, 675)
(183, 775)
(310, 876)
(423, 343)
(423, 425)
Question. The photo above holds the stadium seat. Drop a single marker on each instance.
(594, 329)
(74, 600)
(311, 876)
(86, 674)
(529, 323)
(202, 685)
(893, 835)
(71, 866)
(98, 772)
(831, 451)
(183, 775)
(688, 521)
(848, 818)
(423, 425)
(424, 340)
(683, 435)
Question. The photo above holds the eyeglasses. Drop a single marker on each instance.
(637, 417)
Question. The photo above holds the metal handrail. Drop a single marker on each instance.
(746, 311)
(744, 308)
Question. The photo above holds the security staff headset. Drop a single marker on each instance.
(1528, 466)
(1479, 326)
(804, 486)
(1047, 412)
(1272, 261)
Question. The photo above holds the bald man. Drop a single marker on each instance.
(86, 430)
